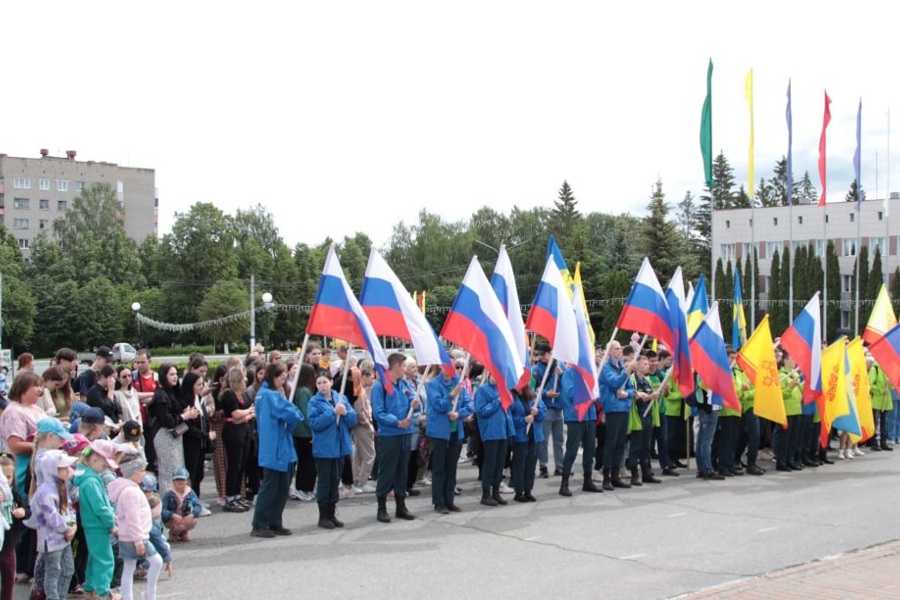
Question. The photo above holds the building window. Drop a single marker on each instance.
(775, 221)
(726, 252)
(799, 219)
(826, 218)
(852, 217)
(820, 248)
(747, 251)
(79, 187)
(62, 205)
(879, 243)
(751, 222)
(727, 224)
(21, 224)
(880, 216)
(120, 187)
(23, 244)
(773, 247)
(44, 184)
(22, 183)
(845, 319)
(846, 283)
(43, 223)
(22, 203)
(44, 204)
(62, 185)
(849, 246)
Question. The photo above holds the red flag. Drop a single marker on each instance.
(822, 170)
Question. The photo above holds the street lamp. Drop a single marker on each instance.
(267, 304)
(136, 307)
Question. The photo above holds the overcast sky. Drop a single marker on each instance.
(350, 116)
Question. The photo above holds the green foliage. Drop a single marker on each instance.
(873, 286)
(832, 322)
(565, 216)
(222, 299)
(661, 240)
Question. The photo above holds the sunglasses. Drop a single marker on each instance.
(459, 367)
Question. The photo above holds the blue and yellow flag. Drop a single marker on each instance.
(738, 321)
(554, 252)
(698, 308)
(577, 281)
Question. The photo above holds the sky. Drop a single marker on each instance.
(346, 117)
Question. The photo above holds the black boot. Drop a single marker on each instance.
(647, 475)
(823, 457)
(617, 480)
(324, 519)
(402, 512)
(564, 486)
(589, 485)
(383, 516)
(332, 514)
(497, 497)
(607, 482)
(486, 498)
(754, 469)
(635, 478)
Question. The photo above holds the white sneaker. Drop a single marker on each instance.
(368, 489)
(841, 454)
(424, 482)
(849, 453)
(298, 495)
(205, 512)
(205, 505)
(505, 489)
(858, 452)
(357, 489)
(345, 492)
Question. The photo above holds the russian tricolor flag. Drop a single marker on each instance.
(394, 313)
(886, 351)
(682, 373)
(504, 283)
(552, 315)
(477, 323)
(803, 341)
(646, 310)
(710, 359)
(337, 313)
(587, 389)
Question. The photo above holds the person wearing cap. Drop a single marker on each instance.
(98, 518)
(180, 507)
(88, 378)
(92, 423)
(135, 521)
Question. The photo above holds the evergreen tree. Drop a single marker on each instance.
(775, 298)
(765, 195)
(851, 193)
(895, 289)
(720, 294)
(831, 326)
(806, 192)
(564, 215)
(785, 288)
(873, 286)
(859, 293)
(741, 199)
(778, 184)
(660, 235)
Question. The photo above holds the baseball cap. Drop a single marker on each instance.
(107, 450)
(104, 352)
(54, 426)
(76, 444)
(149, 483)
(180, 473)
(131, 431)
(93, 416)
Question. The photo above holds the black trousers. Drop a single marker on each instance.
(236, 446)
(306, 465)
(494, 457)
(524, 463)
(393, 464)
(580, 434)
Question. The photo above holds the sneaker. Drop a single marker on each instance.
(308, 496)
(234, 507)
(263, 533)
(368, 489)
(346, 492)
(857, 452)
(357, 489)
(505, 489)
(841, 454)
(425, 481)
(205, 512)
(297, 494)
(205, 505)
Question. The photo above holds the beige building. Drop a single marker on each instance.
(737, 231)
(34, 192)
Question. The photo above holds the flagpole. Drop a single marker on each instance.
(825, 274)
(858, 266)
(343, 378)
(299, 362)
(753, 273)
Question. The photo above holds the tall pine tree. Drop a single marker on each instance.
(661, 239)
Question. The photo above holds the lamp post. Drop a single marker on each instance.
(267, 304)
(136, 308)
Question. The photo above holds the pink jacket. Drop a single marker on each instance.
(132, 510)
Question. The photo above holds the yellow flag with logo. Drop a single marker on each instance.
(859, 376)
(757, 359)
(833, 403)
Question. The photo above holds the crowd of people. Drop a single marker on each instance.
(122, 450)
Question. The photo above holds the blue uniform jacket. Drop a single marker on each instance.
(331, 439)
(518, 411)
(612, 377)
(493, 423)
(390, 409)
(437, 422)
(275, 420)
(570, 378)
(537, 372)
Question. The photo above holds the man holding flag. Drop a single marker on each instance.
(553, 423)
(616, 393)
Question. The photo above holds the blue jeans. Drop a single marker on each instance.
(553, 424)
(704, 440)
(58, 570)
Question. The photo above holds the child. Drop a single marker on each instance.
(150, 486)
(135, 522)
(97, 518)
(330, 417)
(180, 507)
(54, 521)
(12, 515)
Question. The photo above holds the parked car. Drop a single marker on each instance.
(122, 352)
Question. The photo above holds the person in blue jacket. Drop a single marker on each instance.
(448, 405)
(495, 426)
(275, 420)
(580, 431)
(528, 413)
(392, 446)
(546, 365)
(330, 417)
(616, 394)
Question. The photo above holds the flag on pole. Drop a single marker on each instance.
(646, 309)
(689, 299)
(757, 359)
(698, 306)
(856, 157)
(710, 360)
(394, 313)
(851, 421)
(748, 94)
(833, 403)
(886, 351)
(860, 377)
(576, 282)
(476, 322)
(552, 316)
(682, 373)
(587, 389)
(790, 127)
(738, 321)
(706, 147)
(822, 164)
(555, 253)
(882, 318)
(337, 313)
(504, 283)
(803, 341)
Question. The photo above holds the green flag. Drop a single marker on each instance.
(706, 130)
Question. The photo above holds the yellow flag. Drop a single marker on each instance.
(860, 377)
(748, 94)
(834, 401)
(882, 318)
(757, 359)
(577, 281)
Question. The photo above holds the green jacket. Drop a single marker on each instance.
(747, 396)
(93, 503)
(880, 388)
(793, 396)
(301, 401)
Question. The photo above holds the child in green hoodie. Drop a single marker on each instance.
(97, 517)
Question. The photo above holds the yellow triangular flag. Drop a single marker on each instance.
(882, 318)
(577, 281)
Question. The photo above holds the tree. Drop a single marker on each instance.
(863, 285)
(564, 215)
(807, 194)
(852, 192)
(222, 299)
(778, 184)
(832, 324)
(765, 195)
(720, 197)
(776, 297)
(895, 289)
(660, 235)
(18, 299)
(873, 286)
